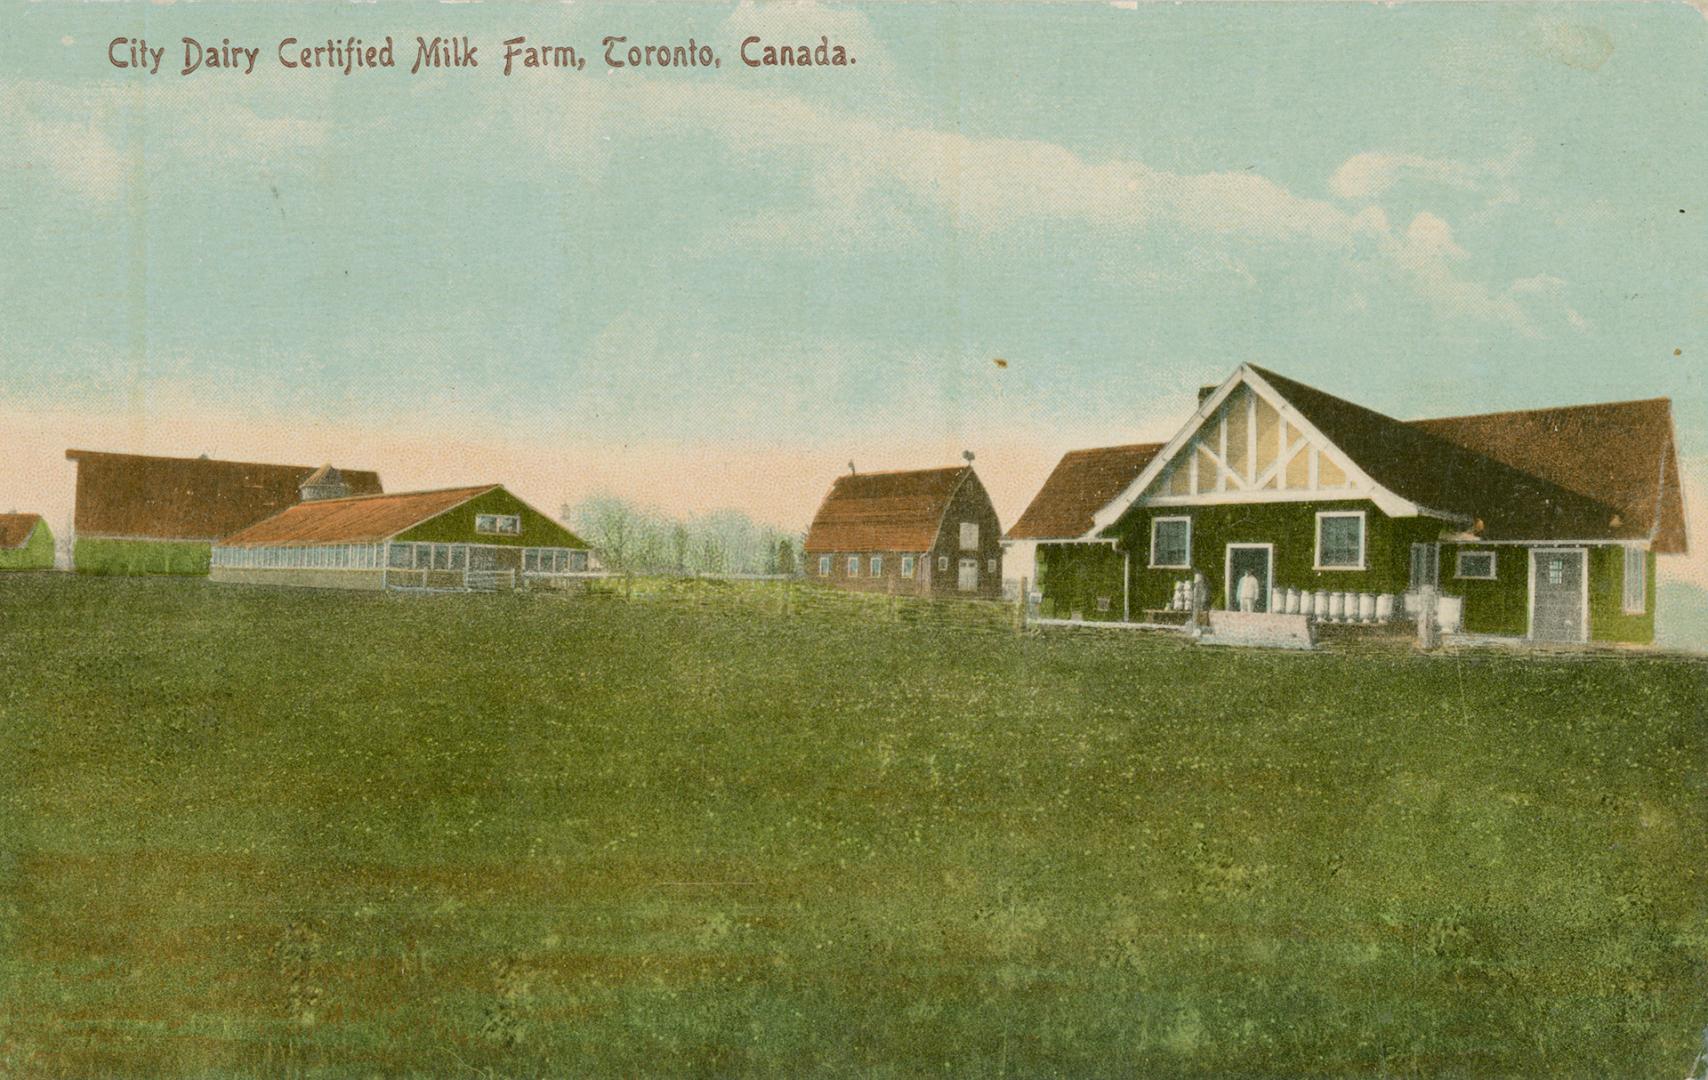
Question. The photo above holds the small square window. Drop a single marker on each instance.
(1102, 603)
(1477, 564)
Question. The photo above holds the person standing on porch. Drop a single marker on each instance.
(1248, 592)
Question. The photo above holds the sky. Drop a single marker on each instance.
(716, 287)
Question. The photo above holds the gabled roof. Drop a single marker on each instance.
(885, 511)
(1446, 477)
(1081, 484)
(361, 519)
(1586, 472)
(137, 495)
(1619, 453)
(15, 529)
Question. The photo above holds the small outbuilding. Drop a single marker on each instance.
(468, 538)
(925, 532)
(26, 543)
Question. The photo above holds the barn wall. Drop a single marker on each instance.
(93, 555)
(36, 554)
(890, 581)
(308, 579)
(456, 526)
(970, 503)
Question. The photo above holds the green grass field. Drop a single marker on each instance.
(270, 833)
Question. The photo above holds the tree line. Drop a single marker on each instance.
(629, 538)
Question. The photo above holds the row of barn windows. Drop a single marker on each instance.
(408, 556)
(876, 565)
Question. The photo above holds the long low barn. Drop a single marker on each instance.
(478, 537)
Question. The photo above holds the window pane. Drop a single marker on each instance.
(1340, 541)
(969, 534)
(1169, 546)
(1636, 581)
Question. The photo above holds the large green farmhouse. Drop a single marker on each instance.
(468, 538)
(26, 543)
(1274, 497)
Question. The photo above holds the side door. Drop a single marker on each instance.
(1558, 591)
(969, 578)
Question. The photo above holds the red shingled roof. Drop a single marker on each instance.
(884, 511)
(136, 495)
(356, 520)
(1582, 472)
(15, 529)
(1081, 484)
(1619, 453)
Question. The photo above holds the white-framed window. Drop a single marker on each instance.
(969, 535)
(1103, 603)
(1340, 540)
(498, 524)
(943, 563)
(877, 566)
(853, 566)
(907, 566)
(824, 566)
(1477, 565)
(1171, 542)
(990, 566)
(1636, 581)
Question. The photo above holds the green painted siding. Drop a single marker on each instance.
(1502, 606)
(36, 554)
(1607, 618)
(1072, 577)
(95, 556)
(1291, 528)
(456, 526)
(1499, 606)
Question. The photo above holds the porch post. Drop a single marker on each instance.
(1126, 586)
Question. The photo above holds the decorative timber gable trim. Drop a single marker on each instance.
(1246, 443)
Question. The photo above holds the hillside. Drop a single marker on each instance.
(262, 833)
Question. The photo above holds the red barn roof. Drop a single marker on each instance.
(162, 498)
(885, 511)
(362, 519)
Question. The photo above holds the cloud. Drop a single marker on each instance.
(1370, 174)
(96, 139)
(1373, 173)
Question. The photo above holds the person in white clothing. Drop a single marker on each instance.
(1248, 592)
